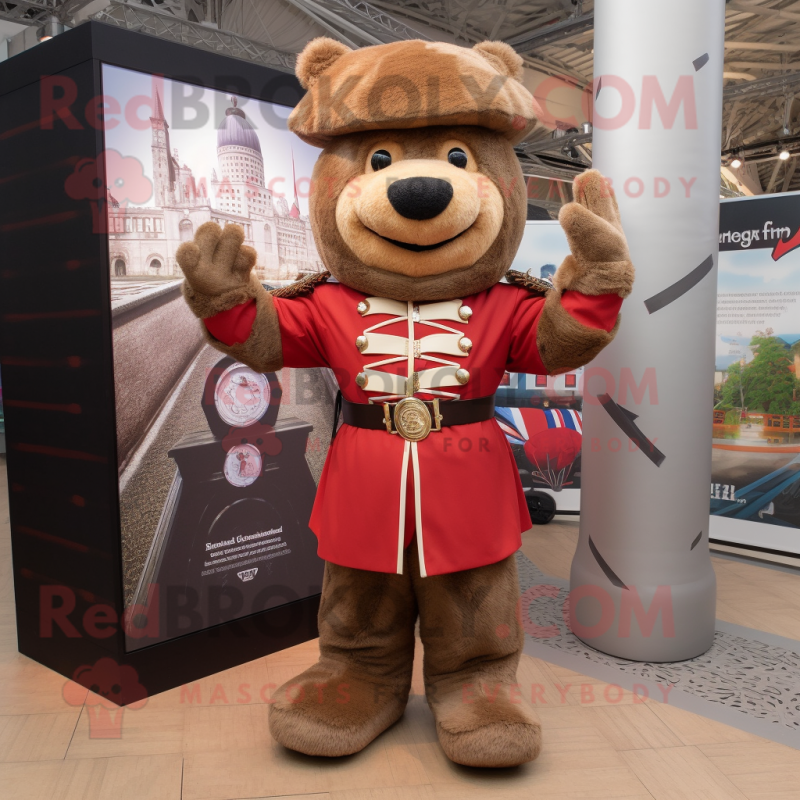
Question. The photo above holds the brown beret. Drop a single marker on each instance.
(410, 84)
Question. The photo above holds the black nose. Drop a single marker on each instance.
(420, 198)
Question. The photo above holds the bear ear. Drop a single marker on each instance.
(317, 56)
(502, 57)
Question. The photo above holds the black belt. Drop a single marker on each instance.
(414, 419)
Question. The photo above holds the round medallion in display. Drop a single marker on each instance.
(241, 396)
(236, 397)
(242, 465)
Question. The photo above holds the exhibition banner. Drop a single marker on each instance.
(218, 464)
(755, 482)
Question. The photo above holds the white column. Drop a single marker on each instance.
(644, 510)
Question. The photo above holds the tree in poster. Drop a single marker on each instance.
(767, 382)
(733, 388)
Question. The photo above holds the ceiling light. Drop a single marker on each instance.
(736, 163)
(784, 155)
(50, 29)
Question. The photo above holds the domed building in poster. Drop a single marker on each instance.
(143, 241)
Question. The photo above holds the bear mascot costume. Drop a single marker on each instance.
(418, 207)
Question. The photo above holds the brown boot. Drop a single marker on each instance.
(473, 640)
(360, 685)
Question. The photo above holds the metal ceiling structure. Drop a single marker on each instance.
(555, 38)
(165, 26)
(29, 13)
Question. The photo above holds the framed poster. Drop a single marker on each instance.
(208, 511)
(755, 482)
(160, 494)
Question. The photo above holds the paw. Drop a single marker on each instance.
(487, 732)
(333, 713)
(592, 222)
(216, 261)
(494, 746)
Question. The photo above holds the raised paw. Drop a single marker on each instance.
(592, 222)
(216, 261)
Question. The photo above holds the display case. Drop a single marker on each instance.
(159, 493)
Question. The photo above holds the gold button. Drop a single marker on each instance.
(465, 312)
(361, 343)
(462, 376)
(464, 344)
(362, 307)
(362, 379)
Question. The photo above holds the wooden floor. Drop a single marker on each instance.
(210, 741)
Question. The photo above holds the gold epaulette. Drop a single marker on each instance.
(526, 281)
(302, 287)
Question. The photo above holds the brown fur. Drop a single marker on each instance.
(610, 277)
(217, 266)
(564, 344)
(216, 262)
(365, 217)
(207, 305)
(360, 685)
(317, 56)
(503, 58)
(262, 351)
(411, 84)
(600, 262)
(344, 160)
(472, 638)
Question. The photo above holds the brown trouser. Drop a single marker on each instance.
(472, 638)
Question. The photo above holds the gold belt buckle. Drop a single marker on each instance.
(412, 419)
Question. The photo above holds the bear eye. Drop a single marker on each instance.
(380, 160)
(457, 157)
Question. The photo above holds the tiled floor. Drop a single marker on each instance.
(209, 741)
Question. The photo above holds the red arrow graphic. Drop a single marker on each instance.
(784, 247)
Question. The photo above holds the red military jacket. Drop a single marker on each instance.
(458, 489)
